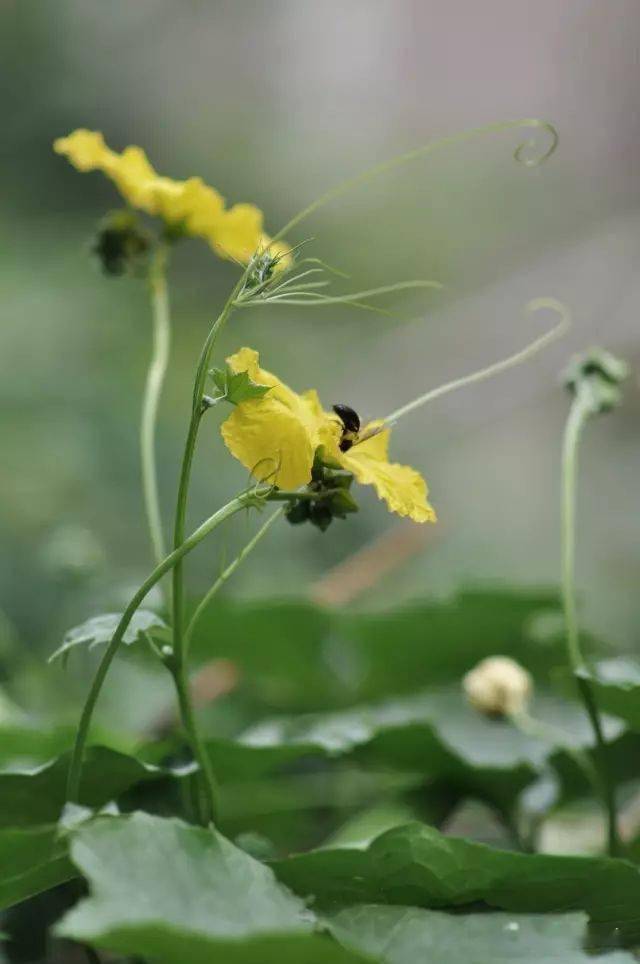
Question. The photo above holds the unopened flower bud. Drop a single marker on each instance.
(498, 686)
(598, 375)
(121, 244)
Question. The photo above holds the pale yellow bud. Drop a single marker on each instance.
(498, 686)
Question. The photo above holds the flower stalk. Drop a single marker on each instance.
(197, 411)
(152, 393)
(594, 381)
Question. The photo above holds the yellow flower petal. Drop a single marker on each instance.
(204, 207)
(86, 150)
(402, 488)
(271, 442)
(276, 436)
(236, 233)
(134, 176)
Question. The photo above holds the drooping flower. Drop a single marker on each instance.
(189, 206)
(278, 436)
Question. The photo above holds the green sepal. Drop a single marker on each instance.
(297, 512)
(342, 504)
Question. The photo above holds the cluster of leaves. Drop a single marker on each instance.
(343, 755)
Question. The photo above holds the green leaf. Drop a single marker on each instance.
(297, 656)
(616, 683)
(408, 935)
(436, 734)
(32, 742)
(177, 893)
(100, 629)
(32, 861)
(417, 866)
(37, 795)
(237, 387)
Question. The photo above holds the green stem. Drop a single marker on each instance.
(226, 574)
(579, 414)
(578, 417)
(209, 809)
(500, 366)
(73, 783)
(197, 411)
(153, 390)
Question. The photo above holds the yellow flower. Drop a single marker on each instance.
(276, 437)
(191, 205)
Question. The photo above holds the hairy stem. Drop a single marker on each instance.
(153, 390)
(578, 417)
(75, 768)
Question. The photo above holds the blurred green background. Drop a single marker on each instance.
(274, 103)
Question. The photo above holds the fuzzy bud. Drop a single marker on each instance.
(498, 686)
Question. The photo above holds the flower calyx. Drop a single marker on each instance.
(122, 245)
(327, 497)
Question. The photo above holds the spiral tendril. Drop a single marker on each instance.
(520, 156)
(532, 144)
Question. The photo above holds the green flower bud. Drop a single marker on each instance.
(597, 376)
(121, 244)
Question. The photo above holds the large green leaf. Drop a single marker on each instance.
(616, 683)
(416, 866)
(436, 734)
(175, 893)
(297, 656)
(32, 742)
(32, 860)
(409, 935)
(37, 795)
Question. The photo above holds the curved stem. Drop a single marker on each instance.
(225, 574)
(73, 782)
(377, 170)
(578, 417)
(500, 366)
(153, 390)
